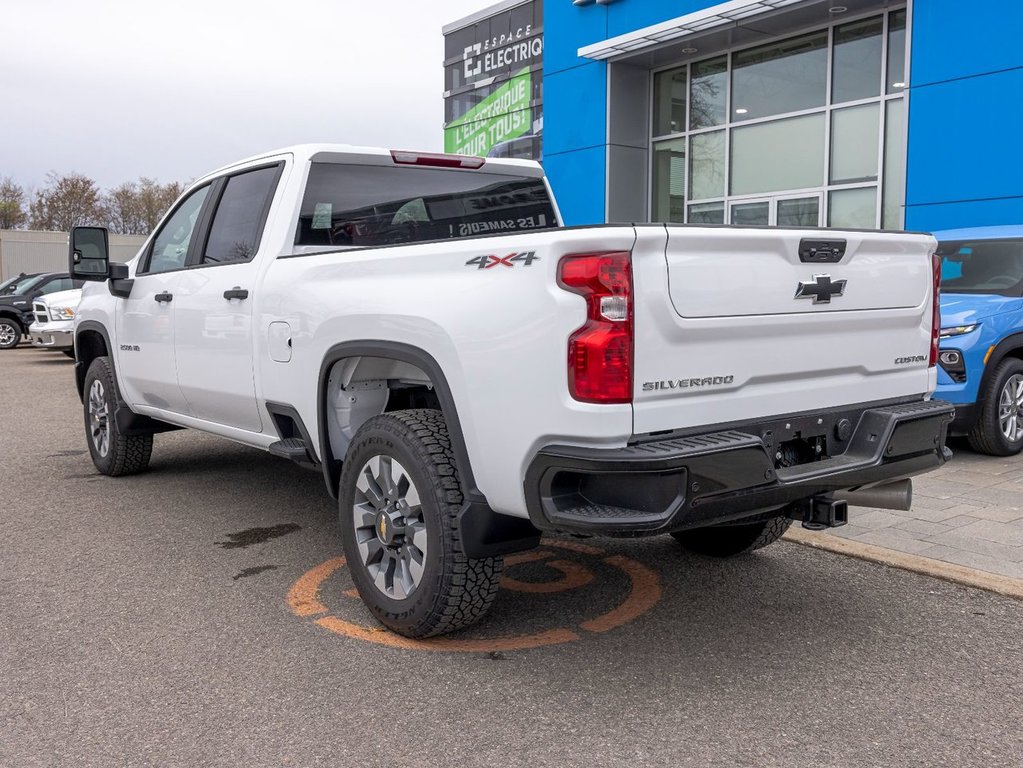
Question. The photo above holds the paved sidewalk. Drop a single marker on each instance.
(970, 512)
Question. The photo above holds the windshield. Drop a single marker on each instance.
(27, 285)
(982, 266)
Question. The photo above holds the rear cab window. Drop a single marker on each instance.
(369, 205)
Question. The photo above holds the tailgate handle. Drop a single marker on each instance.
(821, 251)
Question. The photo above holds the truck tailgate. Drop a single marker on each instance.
(733, 324)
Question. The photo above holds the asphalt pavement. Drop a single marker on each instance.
(197, 615)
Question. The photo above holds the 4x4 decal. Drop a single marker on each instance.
(486, 262)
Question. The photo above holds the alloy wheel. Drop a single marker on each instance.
(389, 527)
(99, 418)
(1010, 408)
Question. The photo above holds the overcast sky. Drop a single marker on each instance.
(117, 89)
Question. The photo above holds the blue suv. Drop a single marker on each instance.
(981, 358)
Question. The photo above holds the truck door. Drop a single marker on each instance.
(213, 303)
(145, 319)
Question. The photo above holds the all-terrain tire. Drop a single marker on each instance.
(732, 540)
(113, 453)
(10, 333)
(986, 436)
(454, 591)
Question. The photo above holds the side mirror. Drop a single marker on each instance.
(89, 254)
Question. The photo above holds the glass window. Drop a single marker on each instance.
(896, 80)
(238, 223)
(982, 266)
(170, 246)
(707, 165)
(709, 93)
(801, 212)
(854, 135)
(366, 205)
(894, 193)
(670, 102)
(57, 284)
(856, 69)
(782, 77)
(783, 154)
(853, 208)
(707, 213)
(26, 284)
(751, 214)
(670, 180)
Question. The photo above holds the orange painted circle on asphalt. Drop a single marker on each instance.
(644, 591)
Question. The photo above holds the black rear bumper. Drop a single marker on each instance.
(665, 485)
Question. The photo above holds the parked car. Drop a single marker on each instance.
(16, 308)
(466, 373)
(981, 358)
(10, 285)
(54, 324)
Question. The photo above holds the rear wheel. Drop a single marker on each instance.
(399, 499)
(113, 453)
(10, 333)
(732, 540)
(999, 428)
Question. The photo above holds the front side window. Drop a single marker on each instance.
(27, 284)
(982, 266)
(170, 246)
(57, 284)
(238, 223)
(367, 205)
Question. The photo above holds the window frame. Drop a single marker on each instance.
(883, 100)
(204, 221)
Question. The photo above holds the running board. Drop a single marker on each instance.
(294, 449)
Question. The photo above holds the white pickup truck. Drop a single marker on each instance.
(467, 373)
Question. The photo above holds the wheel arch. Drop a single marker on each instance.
(91, 341)
(395, 352)
(1010, 346)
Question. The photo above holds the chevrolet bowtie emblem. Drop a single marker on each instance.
(820, 289)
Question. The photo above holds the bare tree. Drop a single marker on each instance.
(65, 202)
(122, 209)
(155, 200)
(12, 205)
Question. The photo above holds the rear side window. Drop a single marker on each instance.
(238, 222)
(366, 205)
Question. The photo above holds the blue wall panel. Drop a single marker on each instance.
(953, 38)
(575, 108)
(982, 213)
(577, 179)
(624, 16)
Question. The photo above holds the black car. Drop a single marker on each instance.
(16, 307)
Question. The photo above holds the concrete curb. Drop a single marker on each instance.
(939, 569)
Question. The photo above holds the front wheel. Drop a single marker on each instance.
(732, 540)
(113, 453)
(10, 333)
(999, 428)
(399, 499)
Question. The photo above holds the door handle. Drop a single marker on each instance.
(164, 297)
(236, 293)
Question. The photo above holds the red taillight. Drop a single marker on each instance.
(436, 160)
(936, 313)
(600, 352)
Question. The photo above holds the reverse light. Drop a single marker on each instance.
(935, 311)
(436, 159)
(600, 352)
(958, 330)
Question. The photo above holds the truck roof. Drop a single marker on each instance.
(306, 152)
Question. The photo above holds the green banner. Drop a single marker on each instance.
(501, 116)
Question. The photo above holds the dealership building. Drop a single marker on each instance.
(846, 113)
